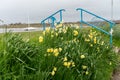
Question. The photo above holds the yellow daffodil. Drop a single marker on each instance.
(91, 33)
(43, 32)
(110, 63)
(107, 47)
(75, 33)
(66, 28)
(95, 40)
(68, 64)
(87, 40)
(91, 45)
(48, 50)
(56, 54)
(84, 67)
(47, 29)
(56, 34)
(55, 69)
(75, 40)
(59, 25)
(65, 63)
(55, 50)
(52, 36)
(60, 49)
(90, 36)
(102, 43)
(53, 73)
(86, 72)
(40, 39)
(51, 49)
(77, 27)
(73, 64)
(82, 56)
(64, 31)
(65, 59)
(98, 49)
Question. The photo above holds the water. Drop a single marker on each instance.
(2, 30)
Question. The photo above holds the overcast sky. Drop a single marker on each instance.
(13, 11)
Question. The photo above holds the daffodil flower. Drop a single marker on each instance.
(75, 33)
(84, 67)
(86, 72)
(82, 56)
(65, 59)
(53, 73)
(40, 39)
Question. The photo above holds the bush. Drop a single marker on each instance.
(116, 33)
(62, 53)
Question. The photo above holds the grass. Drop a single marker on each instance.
(35, 35)
(116, 35)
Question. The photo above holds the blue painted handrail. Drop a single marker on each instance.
(110, 22)
(53, 19)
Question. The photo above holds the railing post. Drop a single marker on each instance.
(60, 16)
(44, 26)
(53, 22)
(111, 32)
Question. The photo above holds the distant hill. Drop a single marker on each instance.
(23, 25)
(117, 21)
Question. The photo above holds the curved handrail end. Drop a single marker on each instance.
(79, 9)
(62, 10)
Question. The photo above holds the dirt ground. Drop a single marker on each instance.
(116, 73)
(116, 76)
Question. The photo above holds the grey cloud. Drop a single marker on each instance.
(12, 11)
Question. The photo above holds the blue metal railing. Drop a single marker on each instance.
(111, 24)
(53, 19)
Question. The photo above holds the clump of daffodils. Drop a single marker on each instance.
(76, 43)
(55, 51)
(53, 71)
(50, 50)
(69, 64)
(58, 25)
